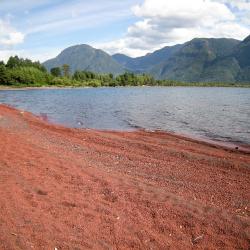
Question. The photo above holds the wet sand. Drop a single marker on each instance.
(86, 189)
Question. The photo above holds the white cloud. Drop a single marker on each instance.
(242, 10)
(12, 38)
(8, 35)
(182, 10)
(46, 19)
(239, 4)
(159, 23)
(167, 22)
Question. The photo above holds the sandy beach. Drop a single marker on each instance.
(63, 188)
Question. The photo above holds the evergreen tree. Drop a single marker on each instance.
(65, 69)
(56, 72)
(4, 75)
(13, 62)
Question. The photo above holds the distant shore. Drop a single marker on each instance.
(84, 87)
(65, 188)
(40, 87)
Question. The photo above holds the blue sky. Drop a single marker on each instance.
(40, 29)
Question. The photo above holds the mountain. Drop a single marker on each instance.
(242, 55)
(231, 67)
(201, 60)
(242, 52)
(124, 60)
(84, 57)
(145, 63)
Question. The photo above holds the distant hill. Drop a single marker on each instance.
(145, 63)
(84, 57)
(242, 52)
(199, 60)
(242, 55)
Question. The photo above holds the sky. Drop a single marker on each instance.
(41, 29)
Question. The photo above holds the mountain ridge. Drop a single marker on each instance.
(85, 57)
(198, 60)
(143, 63)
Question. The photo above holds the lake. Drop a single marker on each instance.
(216, 113)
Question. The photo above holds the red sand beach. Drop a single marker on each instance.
(63, 188)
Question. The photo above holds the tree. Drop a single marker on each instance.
(4, 75)
(38, 65)
(13, 62)
(65, 69)
(29, 76)
(111, 76)
(56, 72)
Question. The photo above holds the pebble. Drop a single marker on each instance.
(197, 239)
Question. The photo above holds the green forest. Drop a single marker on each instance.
(19, 72)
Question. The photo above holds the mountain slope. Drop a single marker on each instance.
(145, 63)
(84, 57)
(242, 54)
(199, 60)
(124, 60)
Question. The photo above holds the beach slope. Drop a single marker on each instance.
(63, 188)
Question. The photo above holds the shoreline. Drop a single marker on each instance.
(227, 145)
(7, 88)
(69, 188)
(44, 87)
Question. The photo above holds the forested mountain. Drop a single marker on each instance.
(84, 57)
(199, 60)
(145, 63)
(242, 55)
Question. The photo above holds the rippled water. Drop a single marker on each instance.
(217, 113)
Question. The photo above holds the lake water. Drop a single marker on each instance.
(216, 113)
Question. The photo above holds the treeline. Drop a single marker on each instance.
(19, 72)
(62, 76)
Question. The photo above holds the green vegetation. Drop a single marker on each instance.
(199, 60)
(206, 60)
(18, 72)
(84, 57)
(56, 72)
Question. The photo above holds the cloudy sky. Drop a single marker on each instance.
(40, 29)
